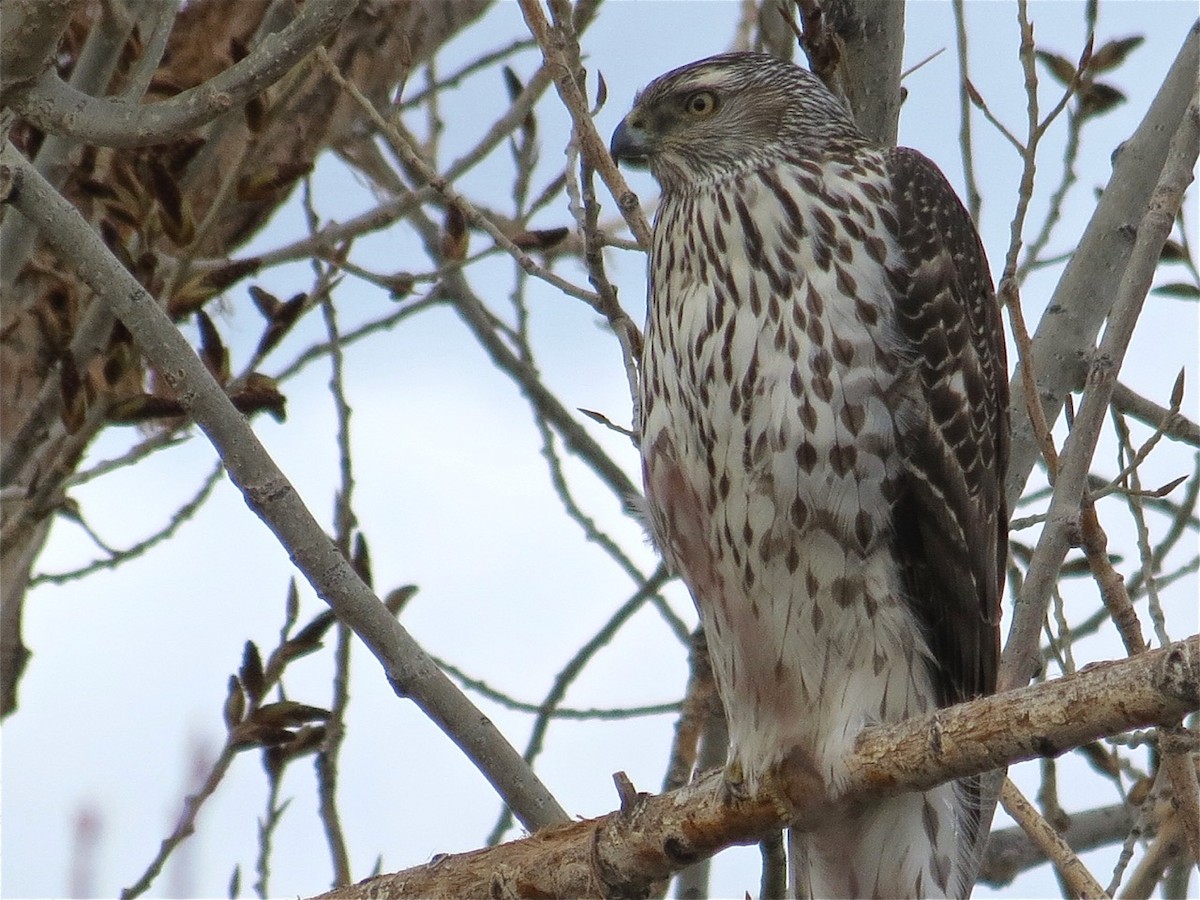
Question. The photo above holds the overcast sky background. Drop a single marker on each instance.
(129, 669)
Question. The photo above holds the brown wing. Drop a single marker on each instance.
(950, 522)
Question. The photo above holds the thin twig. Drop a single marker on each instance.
(413, 159)
(118, 557)
(571, 671)
(335, 727)
(508, 701)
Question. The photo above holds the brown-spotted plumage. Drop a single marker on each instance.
(823, 437)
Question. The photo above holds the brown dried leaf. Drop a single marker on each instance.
(1177, 390)
(250, 734)
(1097, 98)
(142, 408)
(1181, 289)
(232, 272)
(396, 600)
(1168, 487)
(454, 235)
(309, 637)
(291, 606)
(512, 83)
(268, 304)
(1113, 53)
(235, 703)
(260, 393)
(251, 672)
(1060, 67)
(213, 352)
(974, 95)
(361, 559)
(540, 238)
(1101, 759)
(282, 317)
(287, 713)
(307, 740)
(1173, 251)
(294, 649)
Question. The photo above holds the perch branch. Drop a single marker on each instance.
(653, 836)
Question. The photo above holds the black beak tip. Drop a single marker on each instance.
(626, 147)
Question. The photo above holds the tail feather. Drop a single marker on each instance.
(912, 846)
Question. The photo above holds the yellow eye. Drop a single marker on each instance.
(701, 103)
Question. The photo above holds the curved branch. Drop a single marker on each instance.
(653, 836)
(267, 491)
(29, 32)
(56, 107)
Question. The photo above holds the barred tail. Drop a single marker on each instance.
(911, 845)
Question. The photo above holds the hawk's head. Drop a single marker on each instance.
(727, 113)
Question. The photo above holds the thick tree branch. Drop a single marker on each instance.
(29, 33)
(622, 853)
(872, 44)
(56, 107)
(268, 492)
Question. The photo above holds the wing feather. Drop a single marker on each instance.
(951, 524)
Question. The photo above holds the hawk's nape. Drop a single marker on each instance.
(823, 438)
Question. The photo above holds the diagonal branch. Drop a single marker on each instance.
(267, 491)
(1021, 652)
(593, 147)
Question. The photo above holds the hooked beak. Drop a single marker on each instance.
(629, 145)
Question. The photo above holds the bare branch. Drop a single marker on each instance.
(1010, 852)
(409, 669)
(1173, 424)
(58, 108)
(1058, 851)
(594, 148)
(1020, 654)
(1086, 291)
